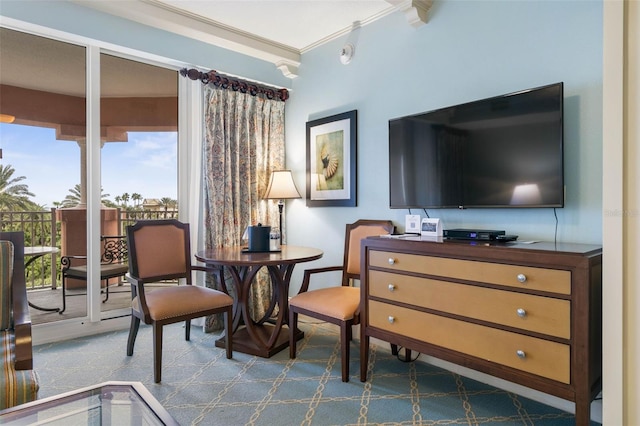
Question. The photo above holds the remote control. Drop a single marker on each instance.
(506, 238)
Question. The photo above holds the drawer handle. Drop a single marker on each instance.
(521, 312)
(522, 278)
(391, 261)
(521, 354)
(391, 319)
(392, 287)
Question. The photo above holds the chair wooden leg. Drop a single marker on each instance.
(157, 352)
(364, 356)
(64, 295)
(345, 341)
(228, 323)
(293, 326)
(106, 291)
(187, 330)
(133, 332)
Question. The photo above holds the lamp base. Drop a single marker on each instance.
(280, 208)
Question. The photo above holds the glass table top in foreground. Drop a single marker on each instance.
(107, 404)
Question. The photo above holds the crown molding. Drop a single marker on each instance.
(415, 11)
(168, 18)
(287, 59)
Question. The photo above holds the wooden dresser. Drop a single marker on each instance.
(527, 313)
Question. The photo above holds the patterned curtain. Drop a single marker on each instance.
(243, 143)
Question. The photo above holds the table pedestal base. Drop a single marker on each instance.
(242, 341)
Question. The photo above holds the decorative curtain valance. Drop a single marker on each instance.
(225, 82)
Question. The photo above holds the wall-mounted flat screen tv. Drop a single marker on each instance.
(504, 151)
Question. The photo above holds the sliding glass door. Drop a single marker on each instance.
(139, 137)
(79, 124)
(43, 139)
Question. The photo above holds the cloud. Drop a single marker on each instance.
(146, 164)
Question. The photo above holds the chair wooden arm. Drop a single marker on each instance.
(20, 316)
(306, 280)
(217, 271)
(22, 329)
(209, 269)
(137, 290)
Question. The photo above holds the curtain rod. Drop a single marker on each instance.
(225, 82)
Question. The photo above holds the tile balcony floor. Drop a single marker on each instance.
(119, 297)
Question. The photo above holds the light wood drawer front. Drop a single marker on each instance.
(536, 356)
(551, 280)
(534, 313)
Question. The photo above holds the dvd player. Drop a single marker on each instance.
(472, 234)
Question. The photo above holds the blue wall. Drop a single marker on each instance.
(468, 50)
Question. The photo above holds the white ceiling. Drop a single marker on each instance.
(298, 24)
(278, 31)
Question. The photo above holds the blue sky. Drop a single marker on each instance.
(146, 164)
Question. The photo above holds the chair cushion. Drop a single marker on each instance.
(16, 386)
(176, 301)
(113, 270)
(336, 302)
(107, 270)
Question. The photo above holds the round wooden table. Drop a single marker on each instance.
(263, 337)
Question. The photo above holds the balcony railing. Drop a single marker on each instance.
(128, 217)
(42, 229)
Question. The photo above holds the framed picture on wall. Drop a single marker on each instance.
(331, 161)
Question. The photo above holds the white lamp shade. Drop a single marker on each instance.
(281, 186)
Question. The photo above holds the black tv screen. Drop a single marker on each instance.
(504, 151)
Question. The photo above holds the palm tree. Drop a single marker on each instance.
(13, 195)
(108, 203)
(167, 202)
(74, 197)
(125, 199)
(137, 199)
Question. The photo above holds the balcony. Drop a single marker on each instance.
(43, 272)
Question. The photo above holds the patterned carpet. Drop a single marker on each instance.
(201, 387)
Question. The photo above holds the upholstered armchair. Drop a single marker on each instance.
(160, 250)
(18, 380)
(339, 303)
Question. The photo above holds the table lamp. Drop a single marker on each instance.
(281, 187)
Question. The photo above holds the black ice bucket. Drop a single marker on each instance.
(259, 238)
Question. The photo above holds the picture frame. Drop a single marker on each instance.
(331, 161)
(431, 227)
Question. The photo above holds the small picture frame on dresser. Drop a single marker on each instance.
(431, 227)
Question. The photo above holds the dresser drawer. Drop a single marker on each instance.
(550, 280)
(540, 314)
(530, 354)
